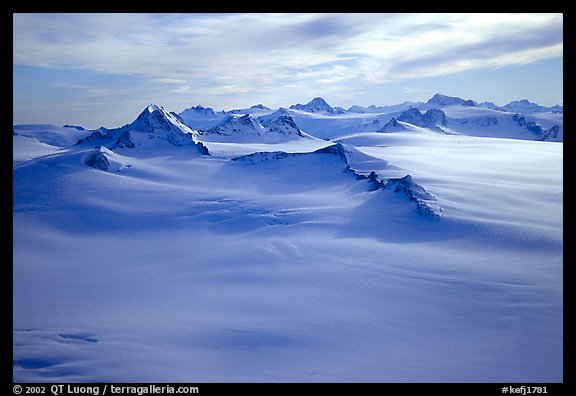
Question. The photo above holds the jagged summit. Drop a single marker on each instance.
(260, 106)
(267, 119)
(199, 110)
(200, 117)
(432, 119)
(425, 206)
(284, 125)
(152, 108)
(246, 129)
(316, 105)
(154, 124)
(234, 126)
(338, 150)
(444, 100)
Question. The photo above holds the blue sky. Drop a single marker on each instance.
(103, 69)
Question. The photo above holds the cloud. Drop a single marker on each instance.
(249, 52)
(170, 80)
(85, 89)
(411, 90)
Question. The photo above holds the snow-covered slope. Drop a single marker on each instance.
(478, 121)
(26, 148)
(51, 134)
(415, 256)
(526, 107)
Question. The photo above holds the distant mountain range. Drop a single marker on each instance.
(441, 113)
(246, 129)
(317, 119)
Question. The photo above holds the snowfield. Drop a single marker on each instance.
(283, 263)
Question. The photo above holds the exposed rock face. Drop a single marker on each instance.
(552, 134)
(392, 126)
(98, 160)
(407, 186)
(208, 111)
(432, 119)
(124, 140)
(372, 179)
(284, 125)
(263, 156)
(232, 126)
(489, 121)
(414, 192)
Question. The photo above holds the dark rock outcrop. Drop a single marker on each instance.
(98, 160)
(432, 119)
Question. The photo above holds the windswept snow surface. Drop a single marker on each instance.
(51, 134)
(170, 266)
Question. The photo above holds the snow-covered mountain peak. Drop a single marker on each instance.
(237, 124)
(238, 128)
(248, 121)
(316, 105)
(432, 119)
(153, 124)
(525, 106)
(348, 154)
(152, 108)
(246, 129)
(286, 125)
(337, 149)
(523, 102)
(199, 110)
(267, 119)
(319, 104)
(155, 119)
(444, 100)
(489, 105)
(260, 106)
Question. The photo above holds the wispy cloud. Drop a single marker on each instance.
(411, 90)
(170, 80)
(259, 49)
(85, 89)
